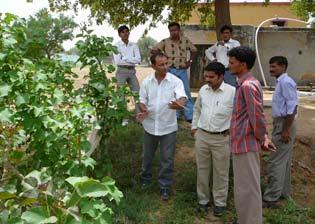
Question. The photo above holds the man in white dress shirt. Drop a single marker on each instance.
(161, 94)
(126, 59)
(218, 52)
(210, 126)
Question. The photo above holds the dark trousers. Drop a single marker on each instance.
(167, 151)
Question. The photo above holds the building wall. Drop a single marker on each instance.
(254, 14)
(297, 44)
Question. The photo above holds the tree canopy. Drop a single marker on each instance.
(45, 34)
(303, 7)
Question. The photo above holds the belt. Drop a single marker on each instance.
(225, 132)
(126, 66)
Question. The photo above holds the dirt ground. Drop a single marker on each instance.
(303, 165)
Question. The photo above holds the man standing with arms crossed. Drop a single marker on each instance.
(126, 59)
(284, 109)
(220, 49)
(176, 48)
(210, 126)
(161, 94)
(247, 134)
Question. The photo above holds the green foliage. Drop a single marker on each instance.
(290, 214)
(45, 163)
(144, 44)
(135, 13)
(303, 7)
(45, 34)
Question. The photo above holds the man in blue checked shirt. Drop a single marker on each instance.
(284, 109)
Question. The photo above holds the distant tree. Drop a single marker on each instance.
(45, 34)
(303, 7)
(144, 44)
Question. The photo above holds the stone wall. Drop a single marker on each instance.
(297, 44)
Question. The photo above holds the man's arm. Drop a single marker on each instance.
(118, 59)
(254, 104)
(136, 58)
(210, 51)
(158, 47)
(178, 104)
(196, 115)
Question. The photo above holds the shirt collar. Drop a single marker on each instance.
(167, 77)
(282, 76)
(123, 43)
(243, 78)
(222, 87)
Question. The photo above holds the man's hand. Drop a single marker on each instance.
(142, 115)
(285, 136)
(176, 105)
(268, 145)
(154, 50)
(187, 64)
(193, 132)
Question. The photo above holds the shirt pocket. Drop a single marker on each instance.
(224, 110)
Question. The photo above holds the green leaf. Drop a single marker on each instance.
(58, 94)
(9, 42)
(2, 56)
(75, 180)
(38, 215)
(6, 195)
(5, 115)
(4, 90)
(22, 99)
(89, 162)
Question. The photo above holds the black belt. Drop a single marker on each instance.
(225, 132)
(126, 66)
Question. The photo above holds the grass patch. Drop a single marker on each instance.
(139, 206)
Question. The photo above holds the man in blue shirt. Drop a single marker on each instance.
(284, 109)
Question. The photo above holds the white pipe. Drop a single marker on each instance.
(256, 43)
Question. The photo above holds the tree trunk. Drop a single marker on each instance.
(222, 14)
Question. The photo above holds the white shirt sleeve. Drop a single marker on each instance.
(118, 59)
(179, 90)
(136, 57)
(143, 94)
(209, 52)
(197, 112)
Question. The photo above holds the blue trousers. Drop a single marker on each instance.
(182, 75)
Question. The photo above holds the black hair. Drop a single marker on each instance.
(280, 60)
(156, 55)
(122, 28)
(216, 67)
(171, 24)
(244, 54)
(226, 27)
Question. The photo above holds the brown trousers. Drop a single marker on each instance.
(247, 192)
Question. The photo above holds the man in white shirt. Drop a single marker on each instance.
(161, 94)
(126, 59)
(210, 126)
(218, 52)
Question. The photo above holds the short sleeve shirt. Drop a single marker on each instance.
(176, 50)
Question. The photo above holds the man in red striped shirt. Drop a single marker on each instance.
(247, 135)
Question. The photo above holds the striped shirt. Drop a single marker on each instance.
(248, 124)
